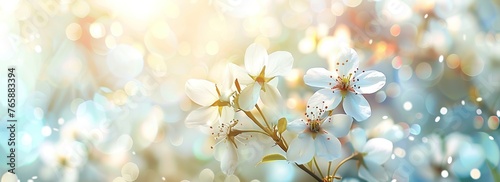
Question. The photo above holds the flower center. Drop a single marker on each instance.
(226, 132)
(344, 84)
(261, 79)
(223, 100)
(314, 119)
(220, 104)
(314, 126)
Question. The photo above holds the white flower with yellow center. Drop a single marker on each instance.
(318, 136)
(259, 76)
(216, 102)
(345, 83)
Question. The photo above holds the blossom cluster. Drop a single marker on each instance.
(253, 91)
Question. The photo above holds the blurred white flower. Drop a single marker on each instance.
(374, 153)
(454, 153)
(261, 69)
(318, 136)
(216, 102)
(345, 83)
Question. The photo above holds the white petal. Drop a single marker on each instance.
(325, 97)
(320, 77)
(378, 150)
(227, 114)
(279, 64)
(297, 125)
(202, 116)
(301, 149)
(273, 82)
(357, 106)
(240, 74)
(373, 172)
(229, 161)
(327, 147)
(201, 92)
(227, 79)
(358, 138)
(369, 81)
(272, 114)
(338, 124)
(255, 59)
(249, 96)
(346, 61)
(270, 97)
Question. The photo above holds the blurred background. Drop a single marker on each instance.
(101, 83)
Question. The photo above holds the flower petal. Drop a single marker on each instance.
(320, 77)
(369, 82)
(279, 64)
(202, 116)
(227, 114)
(273, 82)
(373, 172)
(240, 74)
(255, 59)
(301, 149)
(201, 92)
(249, 96)
(378, 150)
(297, 125)
(338, 124)
(346, 61)
(327, 146)
(227, 78)
(271, 96)
(325, 97)
(229, 161)
(272, 114)
(358, 138)
(357, 106)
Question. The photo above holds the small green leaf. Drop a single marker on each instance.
(271, 158)
(282, 125)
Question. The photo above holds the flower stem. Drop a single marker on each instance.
(304, 168)
(263, 117)
(329, 166)
(280, 141)
(252, 117)
(284, 141)
(317, 167)
(353, 156)
(281, 144)
(255, 131)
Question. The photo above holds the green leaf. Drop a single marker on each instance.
(271, 158)
(282, 125)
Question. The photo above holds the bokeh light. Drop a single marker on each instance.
(101, 85)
